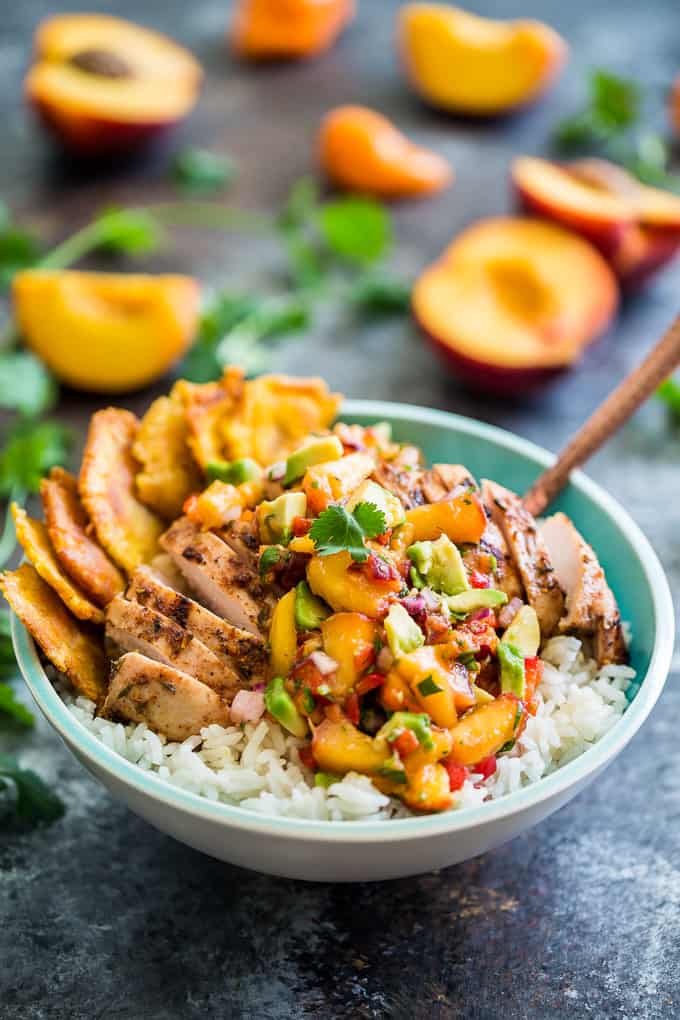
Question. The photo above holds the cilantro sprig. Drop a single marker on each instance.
(200, 170)
(336, 530)
(25, 796)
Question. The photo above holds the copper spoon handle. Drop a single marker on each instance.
(663, 358)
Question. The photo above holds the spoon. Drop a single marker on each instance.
(616, 409)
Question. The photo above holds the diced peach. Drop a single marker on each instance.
(349, 639)
(486, 729)
(347, 590)
(283, 635)
(106, 332)
(513, 301)
(428, 789)
(363, 151)
(467, 64)
(340, 747)
(334, 480)
(104, 85)
(396, 696)
(462, 519)
(435, 666)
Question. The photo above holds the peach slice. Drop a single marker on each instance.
(106, 332)
(104, 85)
(512, 301)
(363, 151)
(272, 29)
(636, 227)
(467, 64)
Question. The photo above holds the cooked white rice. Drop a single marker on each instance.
(257, 766)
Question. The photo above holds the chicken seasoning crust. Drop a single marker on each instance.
(265, 590)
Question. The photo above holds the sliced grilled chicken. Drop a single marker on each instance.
(242, 536)
(167, 700)
(591, 607)
(506, 577)
(218, 576)
(404, 482)
(164, 568)
(442, 480)
(529, 552)
(135, 628)
(243, 651)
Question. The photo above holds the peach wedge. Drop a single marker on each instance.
(460, 62)
(106, 332)
(105, 85)
(637, 228)
(513, 301)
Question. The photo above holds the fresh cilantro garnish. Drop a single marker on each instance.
(428, 686)
(357, 229)
(199, 170)
(669, 393)
(19, 249)
(124, 231)
(24, 795)
(269, 559)
(335, 530)
(377, 296)
(13, 711)
(25, 384)
(29, 453)
(614, 104)
(270, 319)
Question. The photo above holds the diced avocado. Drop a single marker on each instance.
(310, 611)
(418, 722)
(371, 492)
(476, 598)
(513, 676)
(279, 703)
(318, 451)
(440, 564)
(275, 517)
(403, 633)
(326, 779)
(234, 471)
(524, 632)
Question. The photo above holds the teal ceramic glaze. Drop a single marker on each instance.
(319, 850)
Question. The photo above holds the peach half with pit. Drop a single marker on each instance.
(102, 84)
(513, 301)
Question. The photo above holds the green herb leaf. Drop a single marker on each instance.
(223, 312)
(129, 231)
(614, 105)
(335, 530)
(300, 205)
(18, 248)
(25, 384)
(199, 170)
(669, 393)
(356, 229)
(271, 319)
(25, 795)
(13, 710)
(269, 558)
(29, 453)
(380, 296)
(428, 686)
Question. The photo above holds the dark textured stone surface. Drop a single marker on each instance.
(104, 917)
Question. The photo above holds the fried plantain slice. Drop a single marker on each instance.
(206, 406)
(169, 472)
(68, 644)
(126, 529)
(34, 540)
(78, 552)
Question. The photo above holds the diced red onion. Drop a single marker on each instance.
(509, 612)
(385, 659)
(247, 706)
(416, 608)
(480, 614)
(323, 663)
(277, 471)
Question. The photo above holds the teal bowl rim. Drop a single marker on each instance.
(578, 770)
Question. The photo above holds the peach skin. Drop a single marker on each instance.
(105, 85)
(513, 301)
(462, 63)
(362, 151)
(106, 332)
(637, 228)
(288, 29)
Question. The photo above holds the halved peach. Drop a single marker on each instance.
(636, 227)
(467, 64)
(104, 85)
(274, 29)
(361, 150)
(106, 332)
(513, 301)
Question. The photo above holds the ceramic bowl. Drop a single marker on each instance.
(370, 850)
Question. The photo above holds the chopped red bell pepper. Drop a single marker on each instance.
(533, 672)
(352, 709)
(457, 775)
(486, 767)
(301, 526)
(479, 580)
(306, 757)
(405, 743)
(369, 683)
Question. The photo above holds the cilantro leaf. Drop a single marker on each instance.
(614, 105)
(375, 296)
(356, 229)
(25, 795)
(335, 530)
(300, 205)
(25, 384)
(269, 319)
(126, 231)
(13, 710)
(225, 310)
(669, 393)
(18, 248)
(428, 686)
(201, 170)
(29, 453)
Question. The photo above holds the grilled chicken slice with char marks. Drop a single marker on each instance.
(135, 628)
(242, 536)
(442, 481)
(142, 690)
(591, 607)
(243, 651)
(218, 576)
(506, 576)
(529, 552)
